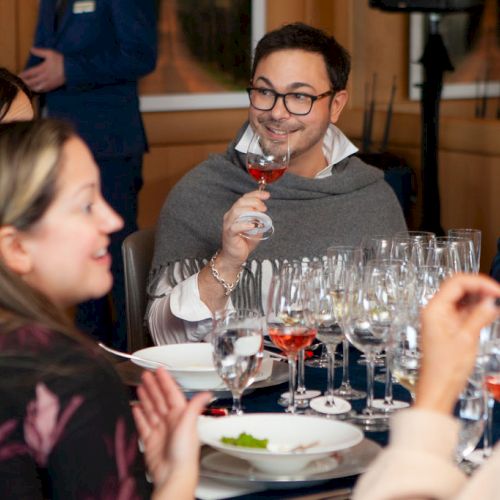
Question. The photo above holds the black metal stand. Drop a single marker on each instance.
(435, 61)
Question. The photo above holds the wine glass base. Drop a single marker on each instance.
(321, 363)
(380, 404)
(263, 225)
(321, 405)
(371, 422)
(349, 393)
(301, 399)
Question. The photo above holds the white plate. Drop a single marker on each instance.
(350, 462)
(192, 366)
(286, 434)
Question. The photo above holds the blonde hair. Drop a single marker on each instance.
(30, 160)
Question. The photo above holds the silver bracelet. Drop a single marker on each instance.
(228, 287)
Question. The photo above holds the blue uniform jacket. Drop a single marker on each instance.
(107, 46)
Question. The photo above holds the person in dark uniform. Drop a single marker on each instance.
(86, 60)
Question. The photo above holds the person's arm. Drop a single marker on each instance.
(418, 463)
(183, 313)
(167, 428)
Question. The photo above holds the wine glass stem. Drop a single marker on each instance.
(262, 184)
(292, 367)
(370, 370)
(388, 380)
(236, 409)
(331, 348)
(487, 437)
(301, 386)
(345, 364)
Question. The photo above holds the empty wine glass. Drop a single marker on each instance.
(470, 410)
(473, 235)
(404, 342)
(344, 262)
(326, 308)
(289, 324)
(237, 339)
(368, 318)
(266, 161)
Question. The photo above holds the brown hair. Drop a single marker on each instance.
(30, 161)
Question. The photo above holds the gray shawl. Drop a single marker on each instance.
(309, 215)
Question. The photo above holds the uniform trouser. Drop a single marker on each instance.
(104, 319)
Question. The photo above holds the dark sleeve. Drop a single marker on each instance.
(134, 23)
(66, 430)
(97, 453)
(495, 266)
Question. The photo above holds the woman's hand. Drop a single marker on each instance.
(167, 427)
(451, 323)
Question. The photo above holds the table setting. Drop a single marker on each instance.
(260, 442)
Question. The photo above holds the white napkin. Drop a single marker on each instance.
(211, 489)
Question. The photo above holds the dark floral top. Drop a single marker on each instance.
(66, 429)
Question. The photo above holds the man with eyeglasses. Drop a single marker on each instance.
(328, 196)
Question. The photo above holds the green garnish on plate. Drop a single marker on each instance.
(246, 440)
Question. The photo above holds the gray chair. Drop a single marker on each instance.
(137, 252)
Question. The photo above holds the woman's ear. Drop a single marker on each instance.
(12, 251)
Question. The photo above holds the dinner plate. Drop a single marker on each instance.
(349, 462)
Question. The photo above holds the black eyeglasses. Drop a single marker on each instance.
(296, 103)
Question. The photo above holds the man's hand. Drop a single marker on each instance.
(48, 75)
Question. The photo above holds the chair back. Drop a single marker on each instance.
(137, 252)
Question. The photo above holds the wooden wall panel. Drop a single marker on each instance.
(8, 33)
(163, 167)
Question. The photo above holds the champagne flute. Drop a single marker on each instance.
(266, 161)
(237, 338)
(344, 262)
(289, 324)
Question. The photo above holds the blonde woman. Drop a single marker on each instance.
(66, 430)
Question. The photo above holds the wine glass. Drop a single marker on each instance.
(289, 324)
(326, 308)
(470, 410)
(461, 251)
(344, 262)
(473, 235)
(237, 339)
(266, 161)
(490, 357)
(299, 268)
(368, 318)
(405, 344)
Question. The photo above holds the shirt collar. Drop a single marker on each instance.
(336, 147)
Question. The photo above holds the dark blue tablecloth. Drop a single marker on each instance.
(265, 400)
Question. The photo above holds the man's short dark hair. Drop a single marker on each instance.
(304, 37)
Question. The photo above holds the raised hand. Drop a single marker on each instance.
(451, 323)
(167, 427)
